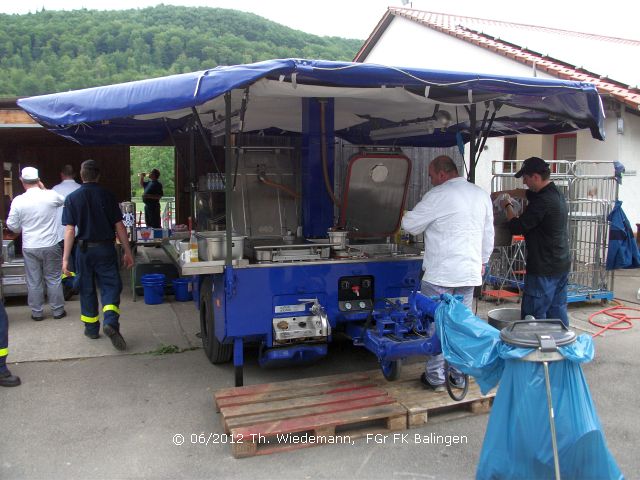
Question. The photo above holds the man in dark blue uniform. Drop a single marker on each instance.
(151, 198)
(96, 214)
(6, 379)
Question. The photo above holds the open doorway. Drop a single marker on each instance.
(143, 160)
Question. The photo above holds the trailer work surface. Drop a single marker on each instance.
(337, 409)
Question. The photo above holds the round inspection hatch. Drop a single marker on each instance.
(379, 173)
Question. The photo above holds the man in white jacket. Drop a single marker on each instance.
(34, 213)
(457, 220)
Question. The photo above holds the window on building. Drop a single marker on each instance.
(564, 148)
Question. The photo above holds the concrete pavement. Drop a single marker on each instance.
(87, 411)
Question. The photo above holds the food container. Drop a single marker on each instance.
(264, 256)
(181, 245)
(503, 317)
(8, 250)
(338, 238)
(213, 246)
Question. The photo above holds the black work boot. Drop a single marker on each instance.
(8, 380)
(91, 335)
(114, 335)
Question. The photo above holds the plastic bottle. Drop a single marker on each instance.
(403, 236)
(193, 247)
(397, 236)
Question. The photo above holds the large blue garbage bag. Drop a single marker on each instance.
(623, 249)
(517, 443)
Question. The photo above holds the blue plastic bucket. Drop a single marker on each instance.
(153, 284)
(182, 289)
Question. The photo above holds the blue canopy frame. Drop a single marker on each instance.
(149, 111)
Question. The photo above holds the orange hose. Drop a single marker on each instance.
(616, 312)
(278, 185)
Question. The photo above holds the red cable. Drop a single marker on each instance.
(615, 312)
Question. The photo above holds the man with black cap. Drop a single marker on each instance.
(97, 216)
(544, 226)
(151, 198)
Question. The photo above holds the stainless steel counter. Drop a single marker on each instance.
(354, 254)
(14, 281)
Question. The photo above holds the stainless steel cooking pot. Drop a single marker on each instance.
(503, 317)
(338, 238)
(213, 245)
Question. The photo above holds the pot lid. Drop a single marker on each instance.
(544, 334)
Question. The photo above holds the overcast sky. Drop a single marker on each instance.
(357, 18)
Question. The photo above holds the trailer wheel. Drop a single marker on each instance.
(391, 369)
(457, 393)
(215, 351)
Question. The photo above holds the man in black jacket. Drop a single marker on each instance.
(544, 226)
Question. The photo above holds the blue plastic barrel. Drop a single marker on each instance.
(153, 284)
(182, 289)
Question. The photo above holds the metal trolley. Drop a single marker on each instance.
(591, 190)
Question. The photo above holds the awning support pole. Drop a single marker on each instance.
(472, 144)
(228, 155)
(485, 134)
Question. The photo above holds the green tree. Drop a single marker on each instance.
(52, 51)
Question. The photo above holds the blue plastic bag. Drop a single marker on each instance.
(517, 443)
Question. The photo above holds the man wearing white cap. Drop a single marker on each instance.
(35, 213)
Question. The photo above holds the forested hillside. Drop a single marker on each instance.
(55, 51)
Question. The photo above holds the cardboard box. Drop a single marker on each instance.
(145, 234)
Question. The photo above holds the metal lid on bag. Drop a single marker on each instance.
(546, 335)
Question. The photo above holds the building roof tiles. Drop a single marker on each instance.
(472, 30)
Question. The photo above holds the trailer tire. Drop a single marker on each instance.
(391, 369)
(215, 351)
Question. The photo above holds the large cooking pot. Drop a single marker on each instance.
(503, 317)
(338, 239)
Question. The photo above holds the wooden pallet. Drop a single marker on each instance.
(422, 404)
(294, 414)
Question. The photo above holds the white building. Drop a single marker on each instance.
(416, 38)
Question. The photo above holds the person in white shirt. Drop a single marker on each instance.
(457, 220)
(35, 214)
(64, 188)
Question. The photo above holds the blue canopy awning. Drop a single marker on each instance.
(373, 104)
